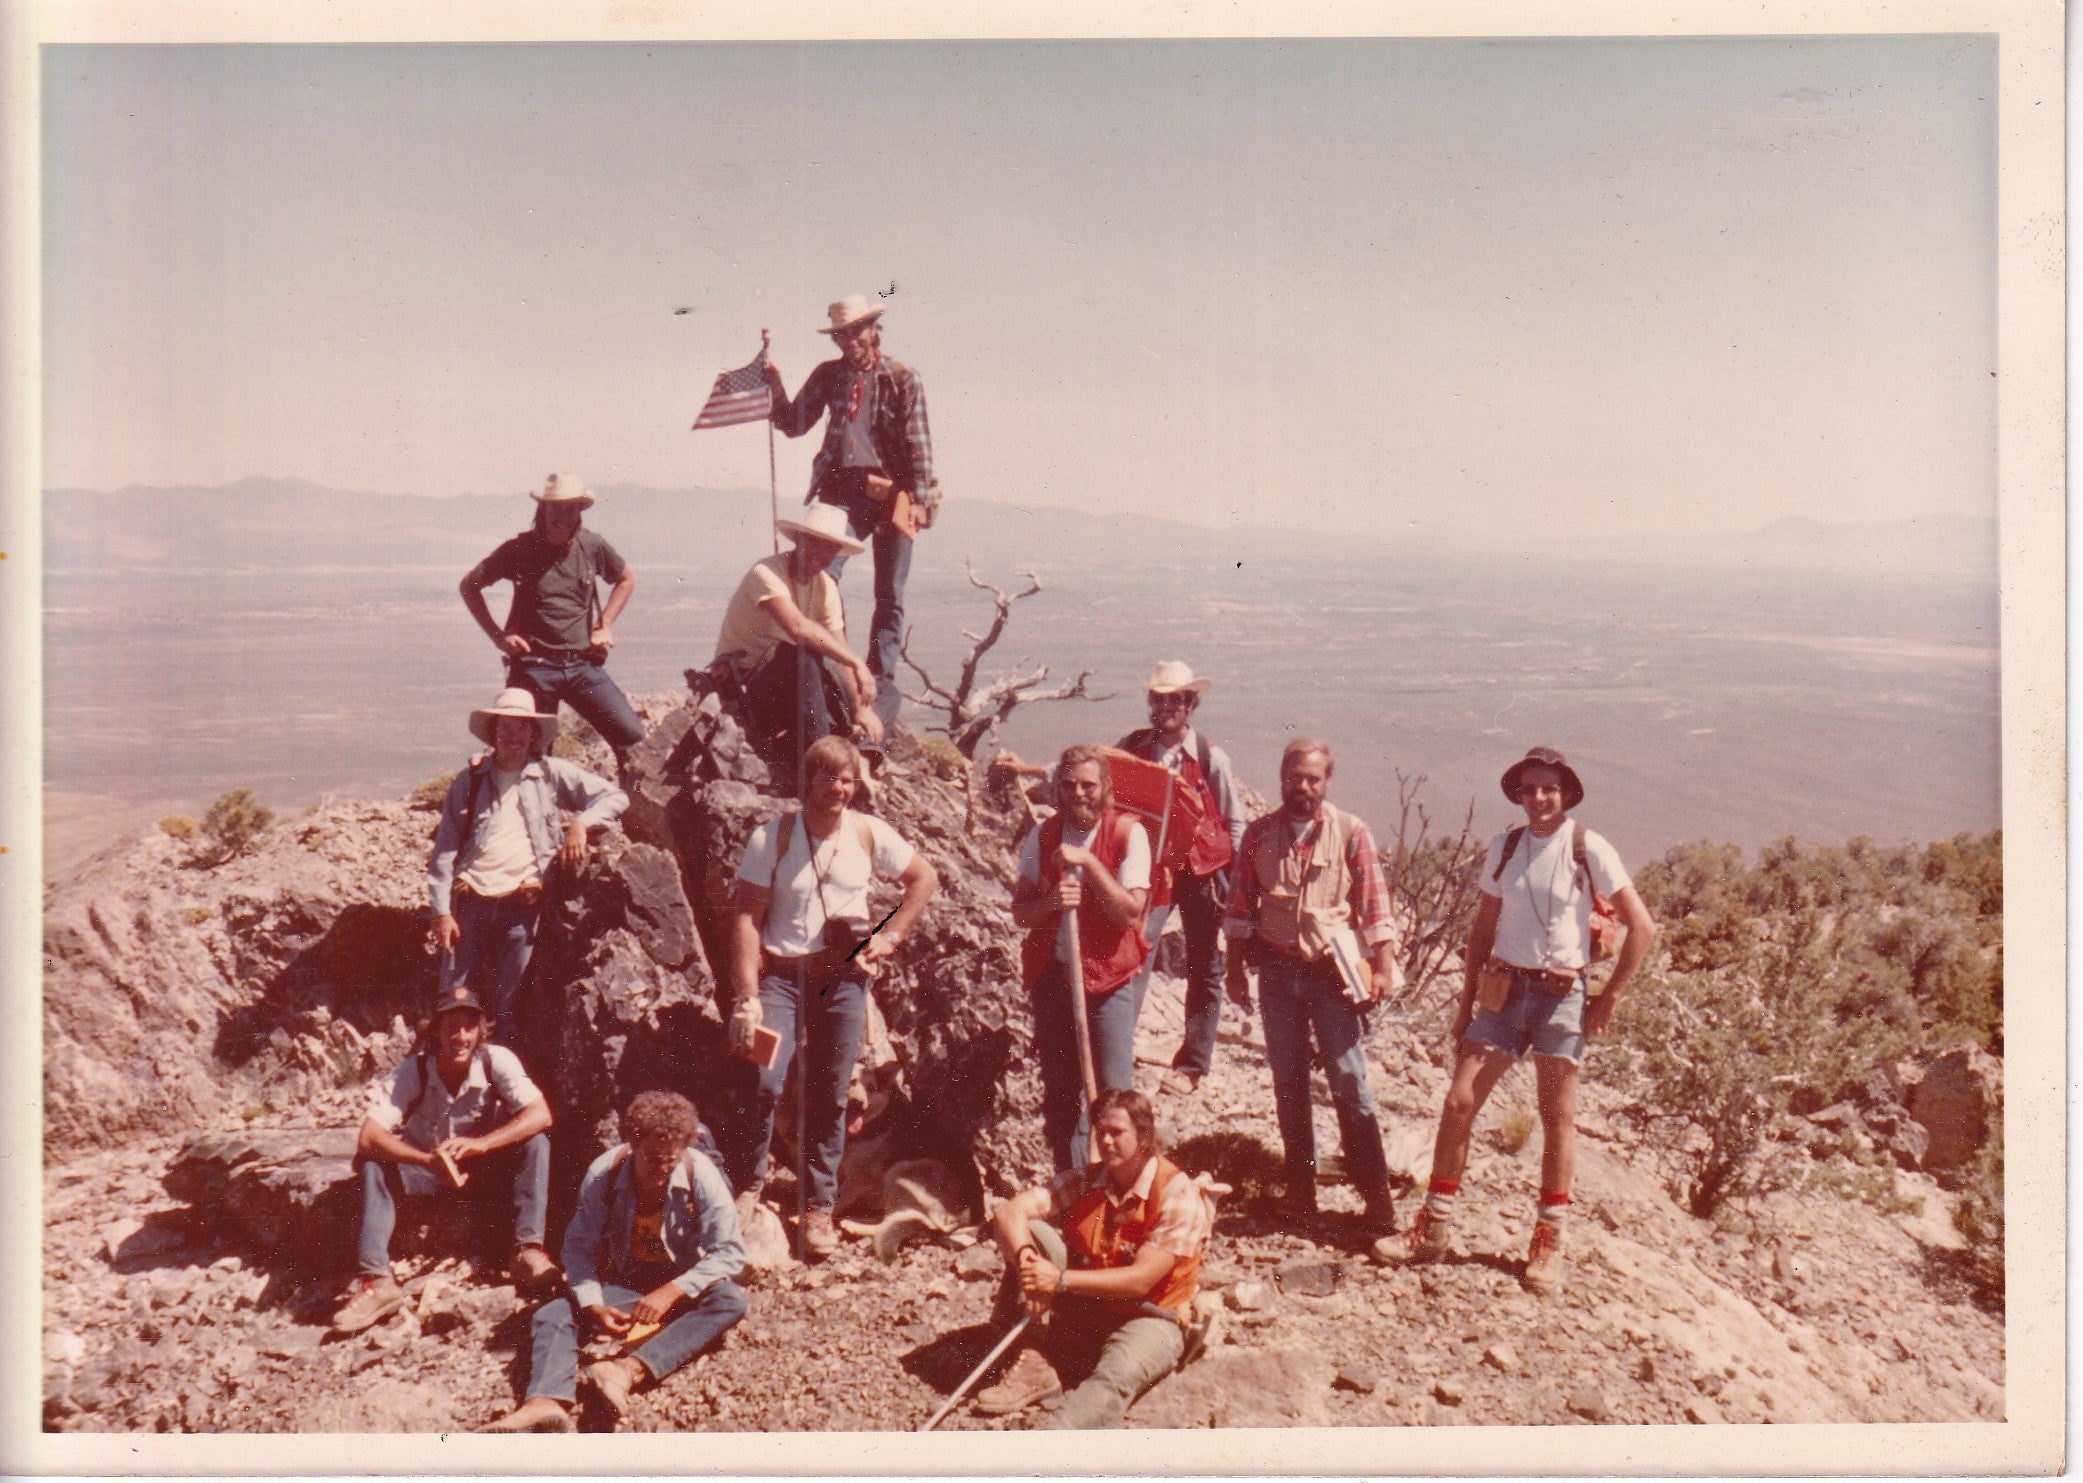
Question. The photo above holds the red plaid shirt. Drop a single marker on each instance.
(1370, 888)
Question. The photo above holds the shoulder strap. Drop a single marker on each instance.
(592, 586)
(784, 836)
(419, 1095)
(1200, 747)
(1511, 847)
(1576, 850)
(477, 777)
(867, 836)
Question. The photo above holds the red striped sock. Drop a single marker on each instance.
(1439, 1196)
(1554, 1208)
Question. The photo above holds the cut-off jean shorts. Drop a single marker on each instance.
(1534, 1018)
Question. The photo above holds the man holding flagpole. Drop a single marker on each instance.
(876, 464)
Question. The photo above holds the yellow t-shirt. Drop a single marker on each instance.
(750, 634)
(645, 1242)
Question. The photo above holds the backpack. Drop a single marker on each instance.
(1605, 927)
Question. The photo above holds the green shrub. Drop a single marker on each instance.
(943, 758)
(235, 821)
(431, 793)
(178, 826)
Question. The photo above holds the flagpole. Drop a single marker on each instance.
(773, 483)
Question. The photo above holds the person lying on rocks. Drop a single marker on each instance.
(1090, 861)
(651, 1252)
(496, 843)
(1200, 889)
(783, 644)
(459, 1119)
(1105, 1261)
(1525, 990)
(1308, 878)
(557, 634)
(804, 948)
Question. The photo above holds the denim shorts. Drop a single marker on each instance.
(1533, 1018)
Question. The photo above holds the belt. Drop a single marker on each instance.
(814, 965)
(1556, 981)
(523, 895)
(547, 651)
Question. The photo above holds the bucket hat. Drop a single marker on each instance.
(827, 523)
(852, 310)
(1572, 785)
(512, 702)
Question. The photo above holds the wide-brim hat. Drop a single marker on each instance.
(852, 310)
(563, 489)
(1174, 675)
(1572, 785)
(827, 523)
(459, 996)
(512, 702)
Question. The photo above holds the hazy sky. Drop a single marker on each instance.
(1692, 284)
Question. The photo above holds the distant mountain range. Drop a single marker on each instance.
(273, 523)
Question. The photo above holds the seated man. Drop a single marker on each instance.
(651, 1251)
(459, 1117)
(784, 638)
(1111, 1277)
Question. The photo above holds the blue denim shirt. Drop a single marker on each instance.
(700, 1226)
(547, 785)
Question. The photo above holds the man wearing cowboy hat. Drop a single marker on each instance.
(495, 844)
(556, 636)
(785, 631)
(457, 1117)
(1200, 889)
(876, 465)
(1526, 991)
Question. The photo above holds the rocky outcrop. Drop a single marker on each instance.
(1959, 1102)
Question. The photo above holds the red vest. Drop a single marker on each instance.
(1092, 1244)
(1109, 954)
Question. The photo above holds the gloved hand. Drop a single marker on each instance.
(744, 1022)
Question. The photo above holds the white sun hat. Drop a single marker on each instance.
(848, 312)
(512, 702)
(827, 523)
(563, 489)
(1173, 675)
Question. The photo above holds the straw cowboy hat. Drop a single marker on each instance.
(1174, 675)
(512, 702)
(1572, 785)
(563, 489)
(852, 310)
(827, 523)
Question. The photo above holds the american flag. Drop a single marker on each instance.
(739, 396)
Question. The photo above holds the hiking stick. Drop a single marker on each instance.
(1074, 974)
(802, 1068)
(978, 1373)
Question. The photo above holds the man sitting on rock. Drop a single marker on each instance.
(1525, 990)
(494, 847)
(1107, 1260)
(651, 1251)
(805, 947)
(460, 1119)
(784, 637)
(1088, 862)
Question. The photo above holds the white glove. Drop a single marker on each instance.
(744, 1023)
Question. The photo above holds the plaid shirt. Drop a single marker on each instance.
(1370, 889)
(1184, 1221)
(898, 428)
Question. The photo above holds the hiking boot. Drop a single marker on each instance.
(1543, 1259)
(539, 1413)
(1179, 1083)
(820, 1236)
(1378, 1219)
(1298, 1200)
(1426, 1241)
(370, 1299)
(612, 1380)
(1032, 1378)
(532, 1269)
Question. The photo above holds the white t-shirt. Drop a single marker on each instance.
(473, 1110)
(1545, 917)
(796, 914)
(1135, 866)
(507, 861)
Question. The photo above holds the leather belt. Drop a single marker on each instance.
(523, 895)
(1556, 981)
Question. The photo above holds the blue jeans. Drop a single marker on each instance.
(553, 1362)
(1200, 924)
(495, 938)
(836, 1018)
(1112, 1019)
(586, 688)
(521, 1174)
(868, 520)
(1296, 998)
(1112, 1360)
